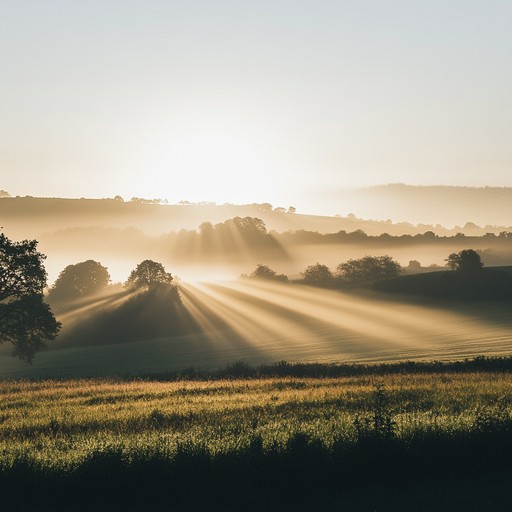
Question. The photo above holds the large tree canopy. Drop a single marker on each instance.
(467, 261)
(22, 271)
(25, 320)
(368, 268)
(148, 273)
(80, 280)
(317, 275)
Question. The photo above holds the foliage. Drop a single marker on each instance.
(467, 261)
(265, 272)
(228, 240)
(493, 418)
(64, 421)
(318, 275)
(369, 268)
(27, 323)
(148, 273)
(242, 369)
(379, 424)
(22, 270)
(184, 439)
(248, 225)
(25, 320)
(80, 280)
(414, 266)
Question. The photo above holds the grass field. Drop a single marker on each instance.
(187, 443)
(267, 322)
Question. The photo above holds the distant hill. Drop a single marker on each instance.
(494, 283)
(31, 217)
(445, 205)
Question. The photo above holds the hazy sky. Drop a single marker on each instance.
(244, 101)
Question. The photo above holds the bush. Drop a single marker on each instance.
(264, 272)
(369, 268)
(379, 425)
(318, 275)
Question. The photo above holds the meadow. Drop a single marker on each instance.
(265, 443)
(262, 322)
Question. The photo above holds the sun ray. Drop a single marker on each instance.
(87, 307)
(312, 323)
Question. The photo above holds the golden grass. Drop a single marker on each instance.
(61, 423)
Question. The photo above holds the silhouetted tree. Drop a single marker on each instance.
(466, 261)
(80, 280)
(206, 228)
(369, 268)
(318, 275)
(25, 320)
(264, 272)
(250, 225)
(153, 312)
(148, 273)
(414, 266)
(358, 235)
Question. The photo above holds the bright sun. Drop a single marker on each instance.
(212, 159)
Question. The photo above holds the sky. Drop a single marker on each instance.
(252, 101)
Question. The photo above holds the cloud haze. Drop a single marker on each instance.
(249, 101)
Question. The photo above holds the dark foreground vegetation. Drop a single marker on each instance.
(469, 473)
(438, 437)
(243, 370)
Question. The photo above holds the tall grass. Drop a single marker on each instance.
(280, 435)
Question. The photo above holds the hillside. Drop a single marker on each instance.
(32, 216)
(493, 283)
(445, 205)
(29, 217)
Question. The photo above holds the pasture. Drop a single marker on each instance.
(262, 322)
(184, 441)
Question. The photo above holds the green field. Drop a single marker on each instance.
(61, 432)
(265, 322)
(61, 423)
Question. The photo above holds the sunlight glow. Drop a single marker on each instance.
(218, 155)
(76, 311)
(299, 322)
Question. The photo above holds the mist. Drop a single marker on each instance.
(448, 206)
(216, 311)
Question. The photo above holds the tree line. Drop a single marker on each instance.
(27, 321)
(90, 277)
(360, 236)
(463, 279)
(368, 269)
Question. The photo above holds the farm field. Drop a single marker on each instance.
(264, 322)
(255, 256)
(177, 438)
